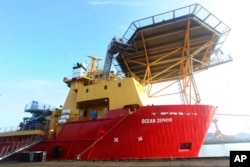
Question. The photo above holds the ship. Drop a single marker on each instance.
(109, 115)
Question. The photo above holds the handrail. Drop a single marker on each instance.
(9, 129)
(195, 10)
(38, 106)
(19, 146)
(25, 128)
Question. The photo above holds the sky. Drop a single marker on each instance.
(40, 41)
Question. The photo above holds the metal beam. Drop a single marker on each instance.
(147, 76)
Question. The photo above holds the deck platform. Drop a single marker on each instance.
(171, 45)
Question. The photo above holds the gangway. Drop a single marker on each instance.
(16, 141)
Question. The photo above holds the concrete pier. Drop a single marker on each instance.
(199, 162)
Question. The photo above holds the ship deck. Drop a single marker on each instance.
(23, 133)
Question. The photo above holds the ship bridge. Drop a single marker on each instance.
(171, 46)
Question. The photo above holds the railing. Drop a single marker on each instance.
(26, 128)
(118, 76)
(195, 10)
(38, 106)
(220, 59)
(14, 147)
(9, 129)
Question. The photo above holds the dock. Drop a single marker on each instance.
(198, 162)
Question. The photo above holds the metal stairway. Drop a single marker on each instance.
(11, 147)
(114, 47)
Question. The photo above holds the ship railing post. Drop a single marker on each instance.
(35, 138)
(13, 147)
(7, 150)
(26, 142)
(32, 139)
(17, 145)
(29, 140)
(22, 143)
(2, 151)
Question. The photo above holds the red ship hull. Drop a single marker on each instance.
(170, 131)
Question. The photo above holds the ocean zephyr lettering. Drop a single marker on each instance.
(153, 121)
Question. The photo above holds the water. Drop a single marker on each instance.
(217, 150)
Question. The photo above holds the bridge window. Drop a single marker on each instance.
(105, 87)
(87, 90)
(119, 84)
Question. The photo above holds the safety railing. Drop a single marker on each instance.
(195, 10)
(35, 106)
(25, 127)
(9, 129)
(14, 147)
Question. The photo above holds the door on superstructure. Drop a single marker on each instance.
(93, 109)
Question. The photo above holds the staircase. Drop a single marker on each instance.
(114, 47)
(10, 146)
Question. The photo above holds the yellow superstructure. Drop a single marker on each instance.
(95, 91)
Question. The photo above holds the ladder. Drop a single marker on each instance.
(14, 147)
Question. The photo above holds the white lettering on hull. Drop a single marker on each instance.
(154, 120)
(164, 120)
(148, 121)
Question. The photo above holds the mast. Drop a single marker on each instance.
(94, 63)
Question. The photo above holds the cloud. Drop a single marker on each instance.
(116, 2)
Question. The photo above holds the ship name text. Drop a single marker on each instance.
(155, 120)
